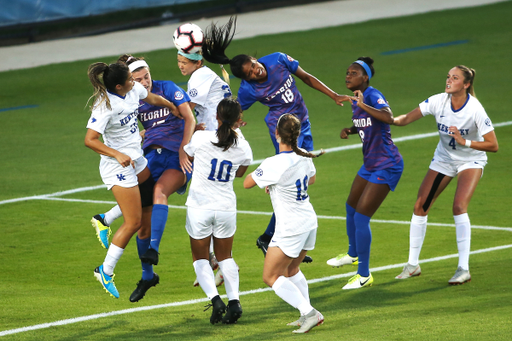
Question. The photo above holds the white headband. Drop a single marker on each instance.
(137, 64)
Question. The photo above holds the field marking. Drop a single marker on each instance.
(426, 47)
(248, 292)
(328, 150)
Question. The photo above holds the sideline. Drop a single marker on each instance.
(249, 292)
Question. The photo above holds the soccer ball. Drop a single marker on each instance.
(188, 38)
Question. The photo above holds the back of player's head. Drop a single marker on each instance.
(134, 63)
(288, 128)
(469, 77)
(105, 77)
(229, 111)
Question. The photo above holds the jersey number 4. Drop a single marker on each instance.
(452, 143)
(223, 171)
(300, 190)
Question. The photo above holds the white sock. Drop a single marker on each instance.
(113, 254)
(417, 233)
(231, 278)
(289, 292)
(300, 282)
(113, 214)
(463, 232)
(205, 277)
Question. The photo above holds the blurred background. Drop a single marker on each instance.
(26, 21)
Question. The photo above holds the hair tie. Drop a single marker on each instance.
(138, 64)
(130, 58)
(191, 56)
(365, 67)
(226, 122)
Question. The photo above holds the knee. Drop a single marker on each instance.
(459, 209)
(269, 280)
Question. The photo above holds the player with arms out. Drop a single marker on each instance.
(381, 170)
(286, 177)
(123, 166)
(465, 135)
(218, 156)
(270, 81)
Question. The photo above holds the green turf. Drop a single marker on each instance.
(49, 250)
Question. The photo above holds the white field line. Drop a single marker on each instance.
(255, 162)
(248, 292)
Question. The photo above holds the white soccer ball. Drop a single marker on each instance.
(188, 38)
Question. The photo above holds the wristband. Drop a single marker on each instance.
(468, 143)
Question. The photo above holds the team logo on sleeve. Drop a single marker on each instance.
(381, 101)
(290, 58)
(192, 92)
(178, 95)
(93, 120)
(488, 122)
(258, 172)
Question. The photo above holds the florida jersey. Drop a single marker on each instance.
(379, 151)
(279, 92)
(170, 128)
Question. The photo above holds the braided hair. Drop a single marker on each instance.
(288, 128)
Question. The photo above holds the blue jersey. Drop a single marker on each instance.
(379, 151)
(162, 127)
(279, 92)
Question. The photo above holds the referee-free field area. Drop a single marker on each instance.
(49, 249)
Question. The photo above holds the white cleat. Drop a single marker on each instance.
(342, 259)
(297, 323)
(461, 276)
(357, 282)
(409, 271)
(311, 320)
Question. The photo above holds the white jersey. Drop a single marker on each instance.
(119, 126)
(471, 120)
(214, 171)
(286, 175)
(206, 89)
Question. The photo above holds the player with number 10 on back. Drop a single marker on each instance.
(465, 135)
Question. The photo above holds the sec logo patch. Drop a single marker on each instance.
(258, 172)
(178, 95)
(192, 92)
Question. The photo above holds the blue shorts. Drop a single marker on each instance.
(161, 159)
(389, 176)
(305, 140)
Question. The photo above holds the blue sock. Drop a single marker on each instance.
(271, 226)
(147, 269)
(158, 221)
(351, 230)
(364, 240)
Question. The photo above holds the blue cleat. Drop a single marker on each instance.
(107, 281)
(103, 231)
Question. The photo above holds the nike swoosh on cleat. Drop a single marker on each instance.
(363, 283)
(103, 279)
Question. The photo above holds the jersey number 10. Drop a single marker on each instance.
(223, 172)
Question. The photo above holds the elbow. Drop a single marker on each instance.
(495, 148)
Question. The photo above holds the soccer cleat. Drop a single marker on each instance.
(409, 271)
(219, 308)
(311, 320)
(103, 231)
(262, 243)
(182, 190)
(150, 257)
(358, 281)
(342, 259)
(219, 279)
(233, 312)
(106, 281)
(142, 287)
(213, 261)
(297, 323)
(461, 276)
(307, 259)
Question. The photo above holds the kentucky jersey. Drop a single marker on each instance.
(287, 175)
(279, 92)
(214, 171)
(170, 128)
(471, 120)
(379, 151)
(119, 126)
(206, 89)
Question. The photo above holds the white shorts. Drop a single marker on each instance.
(293, 245)
(204, 223)
(113, 174)
(453, 168)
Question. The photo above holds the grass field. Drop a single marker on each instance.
(49, 250)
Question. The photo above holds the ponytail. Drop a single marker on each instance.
(228, 112)
(104, 78)
(469, 77)
(288, 128)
